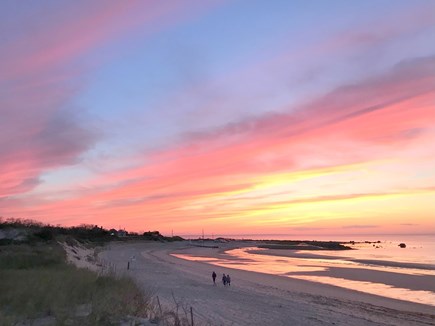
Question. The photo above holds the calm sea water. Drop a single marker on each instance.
(382, 268)
(420, 248)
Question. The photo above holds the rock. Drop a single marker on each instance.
(402, 245)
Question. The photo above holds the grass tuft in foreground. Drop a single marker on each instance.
(37, 283)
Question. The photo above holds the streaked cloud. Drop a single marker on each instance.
(41, 127)
(351, 154)
(368, 226)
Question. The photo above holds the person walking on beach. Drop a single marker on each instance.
(224, 279)
(213, 275)
(228, 280)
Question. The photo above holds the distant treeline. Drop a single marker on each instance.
(14, 230)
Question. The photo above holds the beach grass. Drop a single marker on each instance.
(36, 282)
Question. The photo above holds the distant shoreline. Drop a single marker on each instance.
(310, 237)
(285, 244)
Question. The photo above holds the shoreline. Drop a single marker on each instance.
(255, 298)
(315, 255)
(338, 271)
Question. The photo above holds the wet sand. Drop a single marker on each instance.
(341, 255)
(254, 298)
(412, 276)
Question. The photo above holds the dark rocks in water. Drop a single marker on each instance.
(402, 245)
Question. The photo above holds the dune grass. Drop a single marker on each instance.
(37, 283)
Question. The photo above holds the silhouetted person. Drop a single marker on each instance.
(213, 275)
(224, 279)
(228, 280)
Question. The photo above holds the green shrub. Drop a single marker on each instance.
(36, 282)
(45, 234)
(26, 256)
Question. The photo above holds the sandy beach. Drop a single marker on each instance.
(254, 298)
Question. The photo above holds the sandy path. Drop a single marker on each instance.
(255, 298)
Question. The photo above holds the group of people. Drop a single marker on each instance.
(226, 279)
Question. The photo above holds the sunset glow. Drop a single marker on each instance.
(251, 117)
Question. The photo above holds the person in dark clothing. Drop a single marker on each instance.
(213, 275)
(228, 280)
(224, 279)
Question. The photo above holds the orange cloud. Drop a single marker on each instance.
(328, 160)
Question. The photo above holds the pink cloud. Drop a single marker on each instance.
(40, 73)
(367, 112)
(63, 35)
(357, 123)
(354, 123)
(356, 39)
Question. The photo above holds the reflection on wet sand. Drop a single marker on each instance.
(409, 284)
(424, 297)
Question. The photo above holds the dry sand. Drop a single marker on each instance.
(254, 298)
(81, 256)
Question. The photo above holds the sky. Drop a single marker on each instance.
(232, 117)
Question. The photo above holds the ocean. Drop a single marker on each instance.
(377, 265)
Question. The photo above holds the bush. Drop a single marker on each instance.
(45, 234)
(36, 282)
